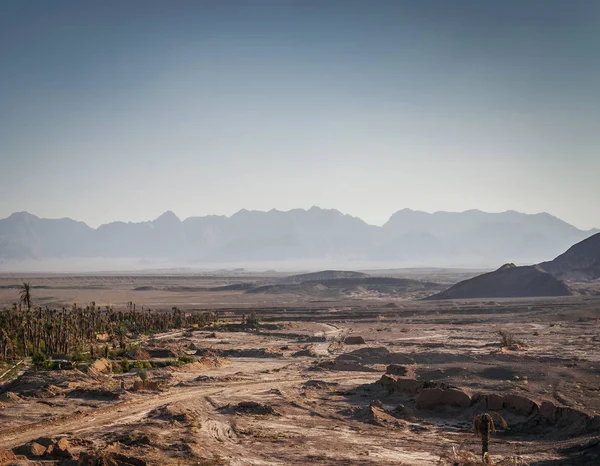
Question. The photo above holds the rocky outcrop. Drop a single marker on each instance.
(430, 398)
(581, 261)
(354, 340)
(431, 395)
(45, 447)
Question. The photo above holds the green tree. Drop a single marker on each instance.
(25, 294)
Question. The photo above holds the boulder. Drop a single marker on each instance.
(354, 340)
(432, 397)
(31, 450)
(397, 369)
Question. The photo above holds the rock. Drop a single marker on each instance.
(518, 404)
(494, 402)
(7, 457)
(62, 448)
(145, 385)
(34, 449)
(310, 352)
(101, 366)
(354, 340)
(397, 369)
(377, 404)
(252, 407)
(431, 397)
(395, 384)
(320, 384)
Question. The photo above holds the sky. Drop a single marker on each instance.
(119, 110)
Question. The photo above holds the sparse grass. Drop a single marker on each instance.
(460, 456)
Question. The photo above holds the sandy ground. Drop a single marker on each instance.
(323, 403)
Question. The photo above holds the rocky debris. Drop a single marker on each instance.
(7, 457)
(135, 438)
(354, 340)
(174, 413)
(45, 447)
(376, 414)
(253, 407)
(437, 395)
(109, 458)
(397, 369)
(309, 352)
(429, 398)
(150, 385)
(407, 385)
(320, 384)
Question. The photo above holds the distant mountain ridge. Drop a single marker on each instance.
(409, 238)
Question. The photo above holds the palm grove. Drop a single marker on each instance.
(41, 331)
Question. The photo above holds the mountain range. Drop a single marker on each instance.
(410, 238)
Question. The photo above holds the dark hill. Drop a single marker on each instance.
(581, 261)
(320, 276)
(348, 286)
(509, 281)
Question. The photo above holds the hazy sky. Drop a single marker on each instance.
(120, 110)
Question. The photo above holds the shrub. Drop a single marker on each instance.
(508, 340)
(125, 365)
(186, 359)
(252, 320)
(142, 374)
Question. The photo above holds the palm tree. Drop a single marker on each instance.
(484, 426)
(25, 294)
(121, 332)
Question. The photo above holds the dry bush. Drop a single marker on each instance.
(508, 340)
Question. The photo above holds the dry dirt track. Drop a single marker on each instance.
(135, 409)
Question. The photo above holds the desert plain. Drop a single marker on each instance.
(356, 374)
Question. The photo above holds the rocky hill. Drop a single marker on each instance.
(507, 282)
(321, 276)
(580, 262)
